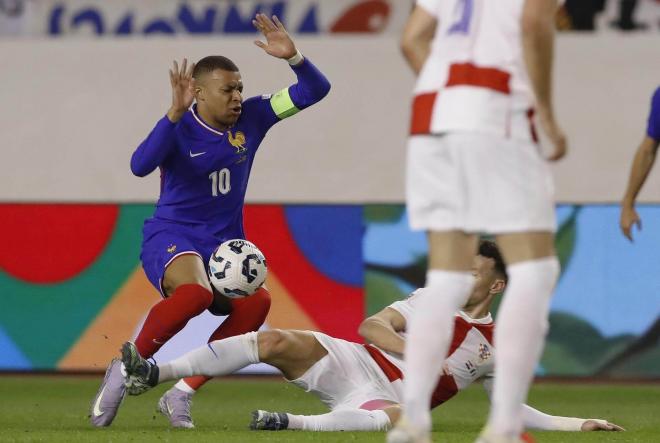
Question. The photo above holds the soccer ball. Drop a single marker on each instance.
(237, 268)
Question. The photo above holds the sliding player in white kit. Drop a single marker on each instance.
(484, 69)
(361, 384)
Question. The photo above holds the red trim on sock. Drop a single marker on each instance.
(170, 315)
(248, 314)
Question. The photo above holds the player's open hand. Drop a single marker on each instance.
(278, 42)
(629, 218)
(600, 425)
(183, 85)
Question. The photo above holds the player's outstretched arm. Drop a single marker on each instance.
(312, 85)
(538, 36)
(161, 141)
(641, 167)
(535, 419)
(644, 159)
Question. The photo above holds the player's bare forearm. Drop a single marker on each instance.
(380, 332)
(641, 167)
(417, 37)
(538, 32)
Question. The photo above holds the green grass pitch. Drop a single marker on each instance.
(51, 409)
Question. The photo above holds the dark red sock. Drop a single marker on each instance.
(248, 314)
(170, 315)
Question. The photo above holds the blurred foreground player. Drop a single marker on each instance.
(484, 69)
(641, 167)
(205, 154)
(361, 384)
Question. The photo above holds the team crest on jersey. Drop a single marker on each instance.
(237, 141)
(484, 352)
(171, 249)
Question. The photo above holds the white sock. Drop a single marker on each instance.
(342, 420)
(522, 322)
(220, 357)
(428, 337)
(181, 385)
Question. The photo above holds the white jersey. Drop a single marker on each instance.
(474, 78)
(470, 356)
(359, 376)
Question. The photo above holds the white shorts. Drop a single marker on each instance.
(478, 183)
(348, 377)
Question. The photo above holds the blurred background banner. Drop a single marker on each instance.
(105, 18)
(84, 81)
(73, 294)
(73, 289)
(194, 17)
(605, 314)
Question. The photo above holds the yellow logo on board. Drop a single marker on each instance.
(237, 141)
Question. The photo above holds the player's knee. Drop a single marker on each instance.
(187, 269)
(258, 304)
(272, 344)
(262, 299)
(171, 284)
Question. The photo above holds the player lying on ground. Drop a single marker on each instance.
(205, 152)
(361, 384)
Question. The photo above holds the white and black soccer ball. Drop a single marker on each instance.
(237, 268)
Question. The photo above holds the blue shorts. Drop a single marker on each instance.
(163, 241)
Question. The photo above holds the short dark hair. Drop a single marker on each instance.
(489, 249)
(213, 62)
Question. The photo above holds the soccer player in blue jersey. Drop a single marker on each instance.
(641, 167)
(205, 153)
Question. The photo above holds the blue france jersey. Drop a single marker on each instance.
(204, 171)
(653, 127)
(205, 178)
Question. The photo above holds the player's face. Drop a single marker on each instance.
(220, 94)
(485, 276)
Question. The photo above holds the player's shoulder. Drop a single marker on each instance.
(257, 102)
(484, 325)
(257, 111)
(407, 305)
